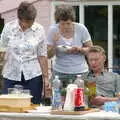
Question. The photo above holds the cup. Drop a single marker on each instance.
(18, 89)
(26, 92)
(11, 91)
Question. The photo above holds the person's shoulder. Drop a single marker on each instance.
(79, 26)
(36, 26)
(54, 27)
(11, 23)
(112, 74)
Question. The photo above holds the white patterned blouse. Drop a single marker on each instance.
(22, 50)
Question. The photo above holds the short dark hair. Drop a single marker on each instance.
(64, 12)
(26, 11)
(96, 48)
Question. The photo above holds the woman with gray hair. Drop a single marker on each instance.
(26, 53)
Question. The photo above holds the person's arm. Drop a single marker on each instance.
(100, 100)
(4, 39)
(52, 37)
(81, 50)
(117, 84)
(43, 60)
(2, 57)
(51, 51)
(52, 48)
(85, 40)
(85, 47)
(46, 84)
(44, 67)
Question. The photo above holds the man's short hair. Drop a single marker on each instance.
(96, 48)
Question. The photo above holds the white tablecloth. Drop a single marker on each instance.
(45, 115)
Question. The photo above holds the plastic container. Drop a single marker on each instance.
(79, 82)
(111, 106)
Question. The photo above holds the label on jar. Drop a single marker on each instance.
(92, 89)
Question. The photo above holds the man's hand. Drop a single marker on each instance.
(98, 100)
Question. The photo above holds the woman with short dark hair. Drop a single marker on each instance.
(64, 13)
(69, 41)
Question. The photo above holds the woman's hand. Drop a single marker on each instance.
(81, 50)
(74, 50)
(56, 36)
(47, 89)
(2, 55)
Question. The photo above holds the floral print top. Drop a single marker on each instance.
(22, 50)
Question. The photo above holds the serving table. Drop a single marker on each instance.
(41, 114)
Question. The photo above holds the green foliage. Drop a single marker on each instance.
(63, 92)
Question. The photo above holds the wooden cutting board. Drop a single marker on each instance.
(89, 110)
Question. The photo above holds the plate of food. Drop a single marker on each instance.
(63, 48)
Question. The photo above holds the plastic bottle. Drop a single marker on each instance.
(79, 81)
(56, 95)
(86, 95)
(79, 94)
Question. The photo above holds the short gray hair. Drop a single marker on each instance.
(26, 11)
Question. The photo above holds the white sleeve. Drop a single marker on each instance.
(4, 37)
(85, 34)
(42, 45)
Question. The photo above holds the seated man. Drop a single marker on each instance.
(107, 83)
